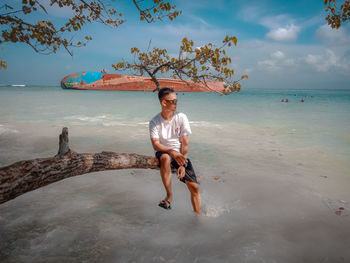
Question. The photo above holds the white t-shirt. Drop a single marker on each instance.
(170, 132)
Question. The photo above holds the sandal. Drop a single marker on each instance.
(165, 204)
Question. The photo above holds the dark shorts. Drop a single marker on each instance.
(189, 172)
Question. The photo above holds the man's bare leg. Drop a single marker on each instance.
(195, 196)
(165, 173)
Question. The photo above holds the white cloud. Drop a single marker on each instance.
(323, 63)
(287, 33)
(269, 65)
(277, 55)
(281, 27)
(333, 36)
(290, 62)
(277, 61)
(326, 32)
(313, 21)
(248, 70)
(275, 21)
(312, 59)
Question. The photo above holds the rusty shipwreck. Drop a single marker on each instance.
(118, 82)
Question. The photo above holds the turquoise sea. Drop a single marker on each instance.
(282, 169)
(322, 121)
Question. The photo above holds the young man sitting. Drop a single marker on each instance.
(169, 132)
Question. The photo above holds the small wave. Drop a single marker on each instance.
(4, 130)
(86, 118)
(213, 210)
(129, 124)
(216, 210)
(104, 120)
(117, 123)
(204, 124)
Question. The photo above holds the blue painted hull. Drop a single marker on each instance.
(80, 79)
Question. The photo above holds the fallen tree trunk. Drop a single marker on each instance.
(24, 176)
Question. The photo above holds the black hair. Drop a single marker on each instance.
(164, 92)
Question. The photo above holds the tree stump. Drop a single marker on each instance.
(63, 147)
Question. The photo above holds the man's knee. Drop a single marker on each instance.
(165, 158)
(193, 187)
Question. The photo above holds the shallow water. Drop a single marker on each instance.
(276, 164)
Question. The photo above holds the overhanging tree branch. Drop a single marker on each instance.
(201, 65)
(45, 37)
(158, 11)
(338, 12)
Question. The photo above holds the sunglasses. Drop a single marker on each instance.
(172, 101)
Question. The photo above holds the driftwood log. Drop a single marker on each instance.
(24, 176)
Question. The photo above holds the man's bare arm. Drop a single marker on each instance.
(184, 145)
(179, 158)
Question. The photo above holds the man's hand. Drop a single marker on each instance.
(179, 158)
(181, 172)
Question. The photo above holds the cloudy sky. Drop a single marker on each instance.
(281, 44)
